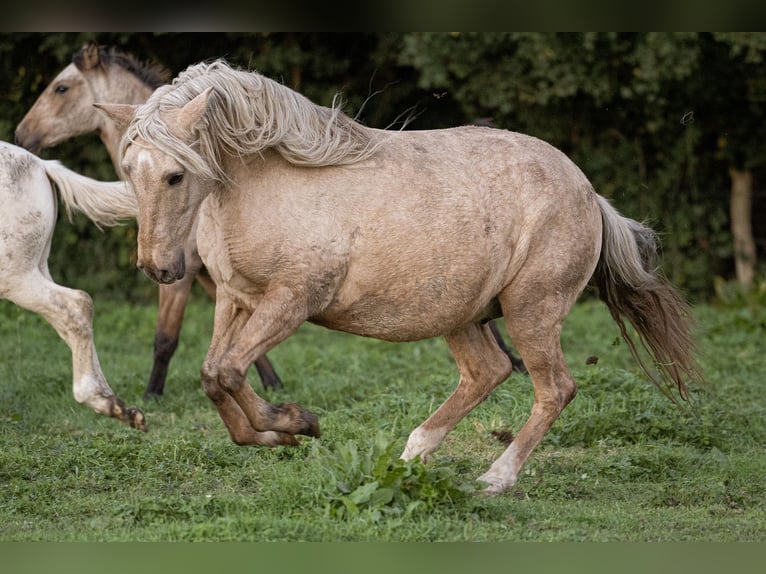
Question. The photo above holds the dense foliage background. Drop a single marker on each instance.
(658, 121)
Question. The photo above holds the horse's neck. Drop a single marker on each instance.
(124, 89)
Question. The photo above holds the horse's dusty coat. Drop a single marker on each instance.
(306, 215)
(399, 247)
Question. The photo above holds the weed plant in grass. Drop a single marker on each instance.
(622, 463)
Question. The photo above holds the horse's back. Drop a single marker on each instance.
(434, 225)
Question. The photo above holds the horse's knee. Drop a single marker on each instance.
(218, 379)
(73, 318)
(209, 378)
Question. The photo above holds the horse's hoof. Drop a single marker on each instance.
(136, 419)
(273, 383)
(298, 420)
(310, 424)
(132, 416)
(494, 486)
(152, 396)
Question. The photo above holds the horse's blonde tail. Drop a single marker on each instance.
(632, 287)
(105, 203)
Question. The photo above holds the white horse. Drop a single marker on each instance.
(29, 208)
(306, 215)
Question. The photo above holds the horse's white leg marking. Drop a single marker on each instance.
(422, 442)
(482, 367)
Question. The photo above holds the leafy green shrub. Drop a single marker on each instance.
(377, 483)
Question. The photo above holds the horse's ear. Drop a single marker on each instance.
(189, 116)
(120, 114)
(87, 57)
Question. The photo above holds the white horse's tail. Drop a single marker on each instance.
(632, 287)
(105, 203)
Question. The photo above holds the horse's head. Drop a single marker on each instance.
(63, 110)
(169, 194)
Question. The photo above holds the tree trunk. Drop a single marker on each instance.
(741, 225)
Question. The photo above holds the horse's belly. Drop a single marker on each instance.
(431, 310)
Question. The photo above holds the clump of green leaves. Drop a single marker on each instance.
(377, 483)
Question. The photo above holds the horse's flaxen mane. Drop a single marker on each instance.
(152, 74)
(246, 114)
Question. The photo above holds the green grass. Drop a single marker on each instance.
(621, 464)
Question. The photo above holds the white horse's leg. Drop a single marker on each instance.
(248, 418)
(70, 312)
(483, 366)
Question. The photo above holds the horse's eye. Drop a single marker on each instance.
(175, 178)
(61, 89)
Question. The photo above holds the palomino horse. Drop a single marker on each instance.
(26, 227)
(306, 215)
(65, 110)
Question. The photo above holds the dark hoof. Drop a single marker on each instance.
(136, 419)
(132, 416)
(153, 391)
(310, 425)
(273, 384)
(268, 375)
(298, 420)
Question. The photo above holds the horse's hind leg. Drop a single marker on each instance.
(534, 324)
(483, 366)
(70, 312)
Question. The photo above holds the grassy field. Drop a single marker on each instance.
(621, 464)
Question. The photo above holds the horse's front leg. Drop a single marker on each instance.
(172, 304)
(266, 370)
(239, 337)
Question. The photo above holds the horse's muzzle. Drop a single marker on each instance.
(29, 141)
(165, 275)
